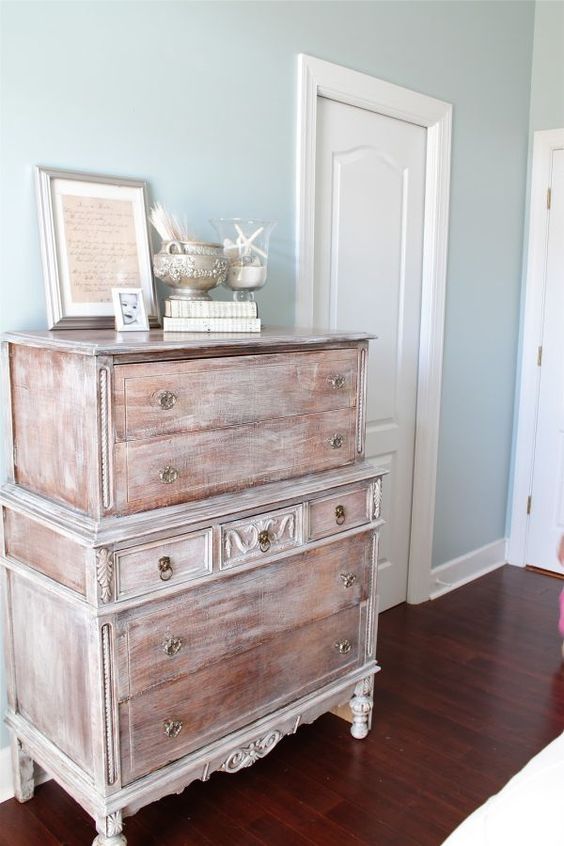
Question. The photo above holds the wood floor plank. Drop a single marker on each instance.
(472, 687)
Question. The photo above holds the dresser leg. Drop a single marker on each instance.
(110, 831)
(22, 769)
(361, 707)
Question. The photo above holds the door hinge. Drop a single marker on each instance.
(529, 503)
(539, 356)
(548, 197)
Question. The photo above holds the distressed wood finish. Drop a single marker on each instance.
(160, 629)
(251, 539)
(177, 397)
(202, 464)
(339, 513)
(222, 698)
(54, 425)
(51, 652)
(160, 565)
(180, 636)
(40, 547)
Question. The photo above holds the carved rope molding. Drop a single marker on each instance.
(106, 635)
(104, 573)
(104, 386)
(247, 755)
(377, 498)
(246, 538)
(361, 402)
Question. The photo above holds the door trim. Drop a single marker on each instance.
(528, 384)
(320, 78)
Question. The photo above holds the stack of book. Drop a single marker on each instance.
(210, 316)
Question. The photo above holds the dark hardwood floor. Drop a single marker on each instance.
(471, 688)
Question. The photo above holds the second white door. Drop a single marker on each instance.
(370, 193)
(546, 522)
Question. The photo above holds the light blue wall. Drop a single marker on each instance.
(200, 100)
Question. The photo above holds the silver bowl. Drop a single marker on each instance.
(191, 268)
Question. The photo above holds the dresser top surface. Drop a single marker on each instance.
(110, 342)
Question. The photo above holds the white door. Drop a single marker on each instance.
(370, 190)
(546, 521)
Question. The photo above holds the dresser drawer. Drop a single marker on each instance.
(169, 721)
(164, 471)
(229, 616)
(339, 513)
(243, 541)
(163, 564)
(174, 397)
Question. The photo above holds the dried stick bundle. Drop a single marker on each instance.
(168, 226)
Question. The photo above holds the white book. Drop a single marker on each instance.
(210, 308)
(211, 324)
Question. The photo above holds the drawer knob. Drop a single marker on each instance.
(172, 645)
(337, 381)
(168, 475)
(264, 540)
(343, 647)
(172, 728)
(337, 441)
(167, 400)
(165, 568)
(348, 579)
(340, 515)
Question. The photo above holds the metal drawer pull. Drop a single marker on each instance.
(165, 568)
(172, 645)
(348, 579)
(167, 400)
(337, 381)
(337, 441)
(343, 647)
(172, 728)
(340, 515)
(264, 540)
(168, 475)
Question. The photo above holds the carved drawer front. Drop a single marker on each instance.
(230, 616)
(340, 512)
(188, 396)
(163, 564)
(165, 471)
(256, 537)
(169, 721)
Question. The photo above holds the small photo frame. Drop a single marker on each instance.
(94, 237)
(129, 310)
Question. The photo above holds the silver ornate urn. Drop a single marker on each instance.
(191, 268)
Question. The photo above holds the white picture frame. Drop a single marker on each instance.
(94, 237)
(129, 310)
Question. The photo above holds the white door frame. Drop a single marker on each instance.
(320, 78)
(544, 143)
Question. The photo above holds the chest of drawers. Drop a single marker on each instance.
(189, 550)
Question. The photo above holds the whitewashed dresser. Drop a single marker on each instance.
(189, 550)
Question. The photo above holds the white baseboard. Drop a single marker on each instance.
(6, 782)
(468, 567)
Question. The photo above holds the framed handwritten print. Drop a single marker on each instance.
(94, 237)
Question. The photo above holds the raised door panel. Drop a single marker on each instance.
(370, 195)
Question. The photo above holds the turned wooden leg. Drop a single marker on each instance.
(110, 831)
(361, 707)
(22, 769)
